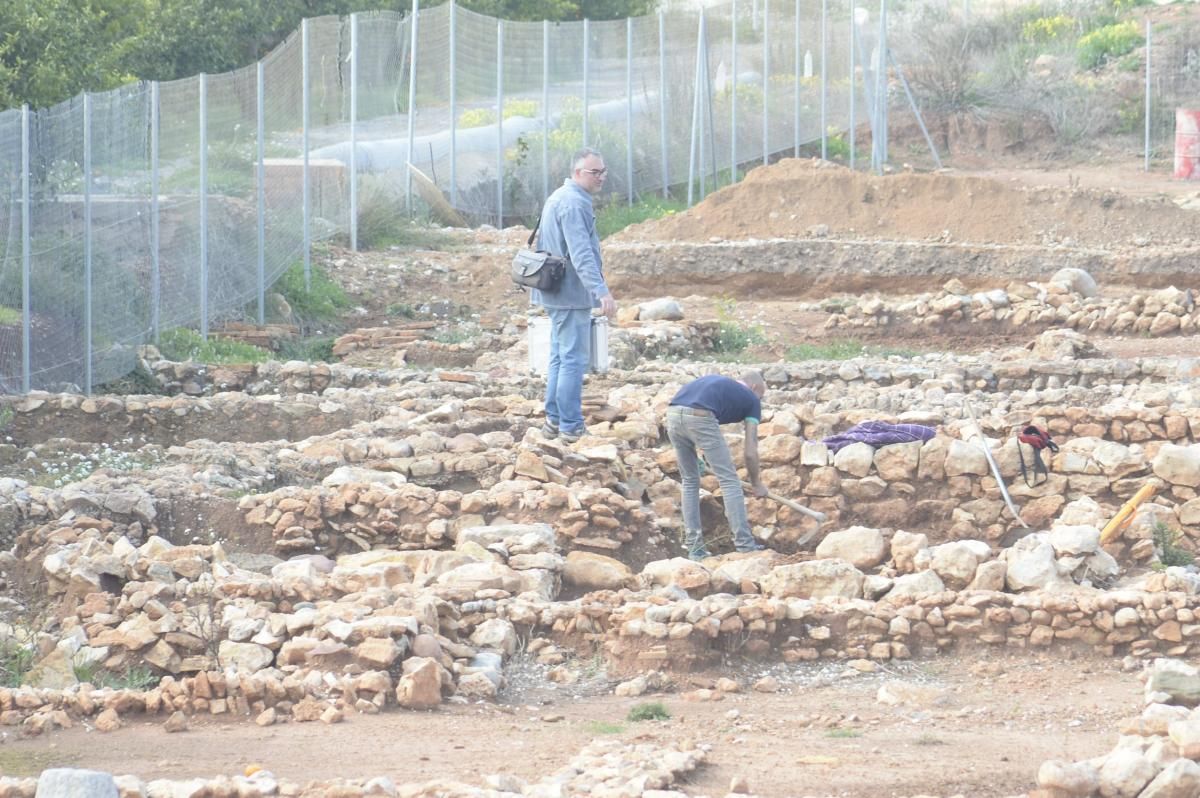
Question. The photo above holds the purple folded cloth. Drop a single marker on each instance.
(879, 433)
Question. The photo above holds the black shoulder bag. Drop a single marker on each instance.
(532, 268)
(1037, 439)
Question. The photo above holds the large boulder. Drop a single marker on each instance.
(955, 562)
(591, 571)
(1178, 465)
(1032, 565)
(76, 783)
(923, 583)
(421, 685)
(862, 547)
(814, 579)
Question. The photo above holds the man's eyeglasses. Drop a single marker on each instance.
(596, 172)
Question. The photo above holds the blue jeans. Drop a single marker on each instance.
(690, 435)
(570, 351)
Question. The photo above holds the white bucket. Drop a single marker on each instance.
(539, 345)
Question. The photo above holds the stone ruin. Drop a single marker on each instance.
(295, 542)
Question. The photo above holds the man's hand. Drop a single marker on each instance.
(608, 305)
(760, 490)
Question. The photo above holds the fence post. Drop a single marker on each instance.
(766, 120)
(261, 134)
(155, 262)
(695, 110)
(453, 103)
(306, 201)
(204, 206)
(853, 78)
(500, 124)
(586, 38)
(629, 106)
(87, 242)
(412, 104)
(545, 109)
(733, 95)
(1149, 33)
(26, 253)
(881, 89)
(354, 132)
(796, 85)
(701, 97)
(824, 78)
(662, 104)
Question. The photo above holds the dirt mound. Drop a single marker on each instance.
(792, 198)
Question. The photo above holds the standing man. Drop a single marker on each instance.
(694, 421)
(568, 229)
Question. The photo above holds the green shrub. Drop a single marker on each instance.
(1166, 541)
(616, 216)
(318, 349)
(9, 315)
(15, 662)
(1104, 44)
(478, 117)
(652, 710)
(1048, 29)
(733, 337)
(323, 301)
(604, 727)
(181, 344)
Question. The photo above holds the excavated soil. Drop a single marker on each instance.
(791, 198)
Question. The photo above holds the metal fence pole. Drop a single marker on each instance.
(261, 284)
(412, 104)
(824, 78)
(500, 123)
(695, 110)
(853, 80)
(701, 96)
(733, 94)
(796, 84)
(306, 200)
(766, 81)
(587, 35)
(204, 206)
(354, 132)
(881, 90)
(662, 104)
(453, 103)
(1149, 33)
(545, 108)
(87, 242)
(155, 230)
(629, 106)
(26, 254)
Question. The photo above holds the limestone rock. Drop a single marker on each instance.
(861, 546)
(76, 783)
(1178, 465)
(421, 685)
(955, 562)
(246, 657)
(905, 546)
(814, 579)
(1180, 779)
(1068, 778)
(591, 571)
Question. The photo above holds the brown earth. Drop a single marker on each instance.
(788, 199)
(979, 725)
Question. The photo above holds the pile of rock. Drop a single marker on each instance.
(1157, 753)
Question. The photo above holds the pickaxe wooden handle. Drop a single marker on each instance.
(817, 516)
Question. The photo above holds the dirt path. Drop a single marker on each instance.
(978, 724)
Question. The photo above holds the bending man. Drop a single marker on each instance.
(694, 421)
(568, 229)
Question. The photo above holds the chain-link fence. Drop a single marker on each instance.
(155, 206)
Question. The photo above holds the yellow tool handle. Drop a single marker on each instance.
(1125, 514)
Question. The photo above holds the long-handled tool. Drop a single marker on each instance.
(816, 515)
(973, 431)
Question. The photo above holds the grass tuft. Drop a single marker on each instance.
(651, 710)
(618, 215)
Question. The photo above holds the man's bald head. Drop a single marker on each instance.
(753, 379)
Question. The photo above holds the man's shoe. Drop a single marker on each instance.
(549, 430)
(697, 556)
(755, 547)
(570, 435)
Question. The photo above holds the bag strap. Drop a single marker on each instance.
(533, 235)
(1038, 465)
